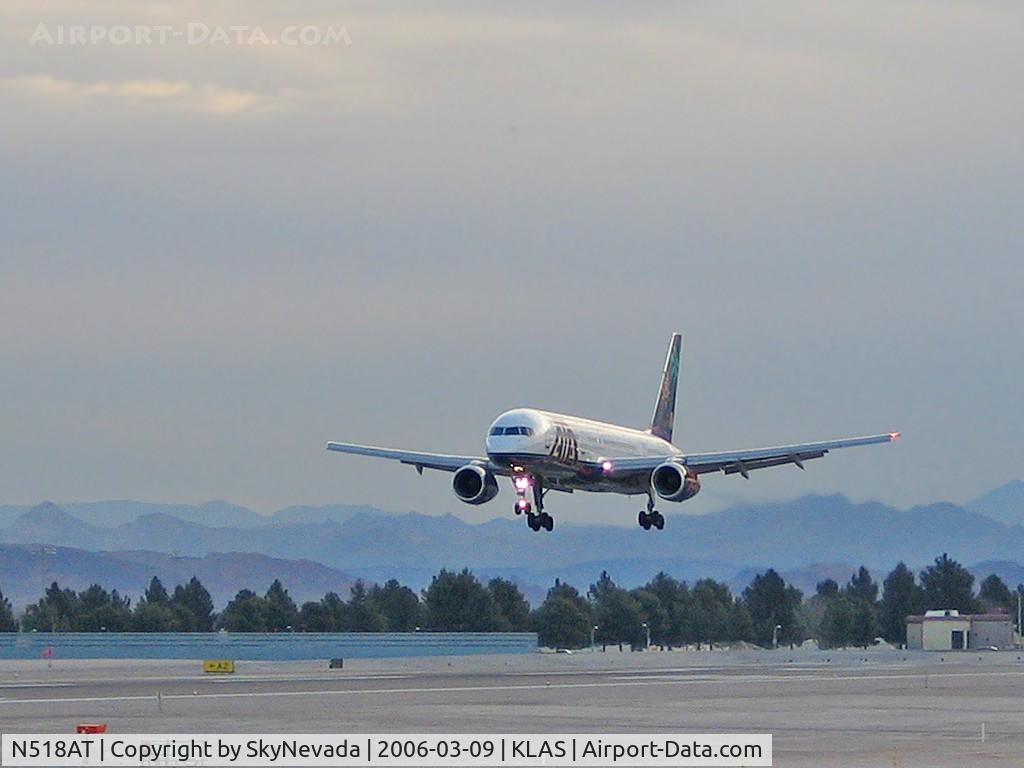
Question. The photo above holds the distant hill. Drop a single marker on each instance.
(25, 571)
(107, 514)
(51, 524)
(1004, 504)
(790, 536)
(330, 513)
(217, 514)
(1012, 573)
(786, 535)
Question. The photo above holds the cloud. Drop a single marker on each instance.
(207, 98)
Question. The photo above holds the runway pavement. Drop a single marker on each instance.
(869, 708)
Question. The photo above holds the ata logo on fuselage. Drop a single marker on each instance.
(565, 447)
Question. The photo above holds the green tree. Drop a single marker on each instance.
(948, 586)
(513, 612)
(330, 614)
(616, 613)
(154, 617)
(837, 622)
(458, 602)
(7, 620)
(247, 612)
(363, 613)
(313, 617)
(711, 605)
(865, 623)
(155, 593)
(563, 619)
(901, 597)
(995, 595)
(56, 611)
(810, 615)
(193, 606)
(772, 603)
(675, 598)
(102, 611)
(741, 626)
(397, 604)
(153, 612)
(279, 611)
(653, 613)
(827, 588)
(862, 587)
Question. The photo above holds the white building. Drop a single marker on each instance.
(951, 631)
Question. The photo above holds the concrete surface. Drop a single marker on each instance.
(867, 708)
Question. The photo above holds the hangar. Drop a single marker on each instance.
(953, 631)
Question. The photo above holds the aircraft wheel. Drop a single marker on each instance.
(533, 521)
(658, 521)
(547, 521)
(645, 520)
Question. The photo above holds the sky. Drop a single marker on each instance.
(216, 257)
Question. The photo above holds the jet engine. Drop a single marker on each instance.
(474, 485)
(672, 482)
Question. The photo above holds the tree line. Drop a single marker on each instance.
(668, 611)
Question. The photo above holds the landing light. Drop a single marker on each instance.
(606, 466)
(522, 483)
(894, 435)
(522, 503)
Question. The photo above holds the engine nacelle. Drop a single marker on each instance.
(672, 482)
(474, 485)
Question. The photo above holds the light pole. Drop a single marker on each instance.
(647, 629)
(775, 635)
(593, 629)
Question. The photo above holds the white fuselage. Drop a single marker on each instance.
(568, 450)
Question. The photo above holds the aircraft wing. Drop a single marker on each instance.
(741, 462)
(420, 460)
(732, 462)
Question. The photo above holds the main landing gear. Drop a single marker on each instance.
(651, 517)
(536, 520)
(540, 520)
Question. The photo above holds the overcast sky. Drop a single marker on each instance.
(215, 258)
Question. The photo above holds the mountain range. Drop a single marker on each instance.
(806, 539)
(26, 571)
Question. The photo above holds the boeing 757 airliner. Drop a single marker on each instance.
(541, 451)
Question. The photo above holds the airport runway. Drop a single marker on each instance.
(851, 709)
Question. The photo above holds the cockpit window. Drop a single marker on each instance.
(527, 431)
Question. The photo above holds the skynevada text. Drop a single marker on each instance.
(389, 750)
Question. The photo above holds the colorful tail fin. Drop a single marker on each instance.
(665, 409)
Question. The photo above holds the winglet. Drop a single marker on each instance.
(665, 409)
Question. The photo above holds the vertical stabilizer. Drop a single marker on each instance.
(665, 409)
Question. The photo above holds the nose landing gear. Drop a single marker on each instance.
(651, 517)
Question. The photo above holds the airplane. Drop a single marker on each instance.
(542, 451)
